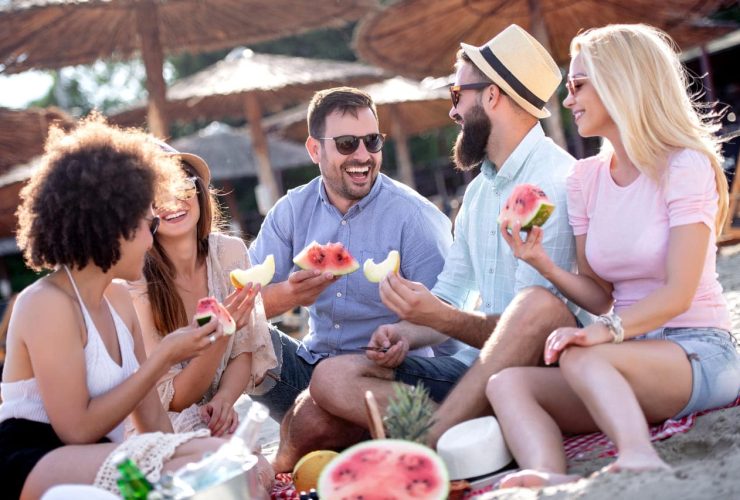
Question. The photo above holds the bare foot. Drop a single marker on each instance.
(637, 462)
(529, 478)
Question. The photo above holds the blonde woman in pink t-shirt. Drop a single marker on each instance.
(645, 213)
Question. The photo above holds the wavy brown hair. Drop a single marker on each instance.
(92, 188)
(168, 309)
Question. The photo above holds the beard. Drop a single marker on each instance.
(470, 146)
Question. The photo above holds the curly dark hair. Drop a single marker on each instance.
(92, 188)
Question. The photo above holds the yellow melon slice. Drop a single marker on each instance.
(261, 273)
(376, 272)
(306, 472)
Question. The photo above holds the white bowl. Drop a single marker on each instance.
(473, 448)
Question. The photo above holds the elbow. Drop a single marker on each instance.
(77, 434)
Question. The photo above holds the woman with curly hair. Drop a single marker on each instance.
(75, 366)
(645, 212)
(191, 259)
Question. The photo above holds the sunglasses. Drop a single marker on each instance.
(154, 224)
(188, 189)
(456, 90)
(574, 83)
(348, 144)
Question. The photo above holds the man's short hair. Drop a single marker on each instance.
(341, 99)
(463, 58)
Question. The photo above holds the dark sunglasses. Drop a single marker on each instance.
(456, 90)
(154, 224)
(573, 83)
(348, 144)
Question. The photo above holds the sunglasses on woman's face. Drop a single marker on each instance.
(154, 224)
(348, 144)
(188, 189)
(456, 90)
(573, 83)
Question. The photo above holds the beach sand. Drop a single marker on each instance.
(705, 460)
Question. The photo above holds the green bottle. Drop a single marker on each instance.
(131, 481)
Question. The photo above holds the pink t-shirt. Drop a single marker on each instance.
(627, 230)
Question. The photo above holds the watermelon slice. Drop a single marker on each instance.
(376, 272)
(209, 306)
(332, 258)
(385, 469)
(260, 273)
(527, 204)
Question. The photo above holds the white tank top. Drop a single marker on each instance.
(22, 399)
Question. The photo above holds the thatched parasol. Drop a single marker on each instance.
(56, 33)
(418, 38)
(405, 108)
(23, 133)
(229, 152)
(245, 84)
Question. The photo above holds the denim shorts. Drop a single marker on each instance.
(715, 365)
(439, 375)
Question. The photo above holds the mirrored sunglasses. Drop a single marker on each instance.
(456, 90)
(348, 144)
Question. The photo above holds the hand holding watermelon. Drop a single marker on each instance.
(188, 342)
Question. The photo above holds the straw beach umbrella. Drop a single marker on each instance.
(246, 84)
(56, 33)
(417, 38)
(405, 108)
(23, 133)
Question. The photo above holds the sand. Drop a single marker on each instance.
(705, 460)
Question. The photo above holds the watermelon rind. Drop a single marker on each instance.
(326, 487)
(544, 210)
(202, 319)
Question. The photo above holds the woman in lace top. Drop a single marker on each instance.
(189, 260)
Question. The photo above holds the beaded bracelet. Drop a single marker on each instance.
(614, 324)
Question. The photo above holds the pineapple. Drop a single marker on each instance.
(409, 414)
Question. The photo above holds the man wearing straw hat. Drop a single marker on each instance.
(484, 296)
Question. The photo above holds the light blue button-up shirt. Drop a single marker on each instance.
(481, 271)
(391, 217)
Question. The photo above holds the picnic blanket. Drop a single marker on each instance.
(577, 448)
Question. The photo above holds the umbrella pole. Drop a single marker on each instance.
(403, 156)
(147, 23)
(265, 174)
(554, 123)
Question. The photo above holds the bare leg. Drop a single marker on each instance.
(648, 381)
(518, 340)
(338, 386)
(533, 405)
(307, 427)
(79, 464)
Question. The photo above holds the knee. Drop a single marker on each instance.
(536, 300)
(502, 384)
(574, 361)
(330, 375)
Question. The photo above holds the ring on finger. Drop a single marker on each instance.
(212, 338)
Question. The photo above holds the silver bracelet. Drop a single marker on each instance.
(614, 324)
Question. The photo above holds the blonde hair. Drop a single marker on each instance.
(636, 72)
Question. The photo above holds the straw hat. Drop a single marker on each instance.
(517, 63)
(199, 164)
(473, 448)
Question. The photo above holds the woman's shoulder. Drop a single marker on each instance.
(689, 159)
(588, 168)
(226, 248)
(59, 308)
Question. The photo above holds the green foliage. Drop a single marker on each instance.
(409, 414)
(332, 43)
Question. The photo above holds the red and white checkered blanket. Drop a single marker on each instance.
(580, 447)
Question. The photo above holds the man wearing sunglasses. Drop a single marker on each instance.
(370, 214)
(484, 297)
